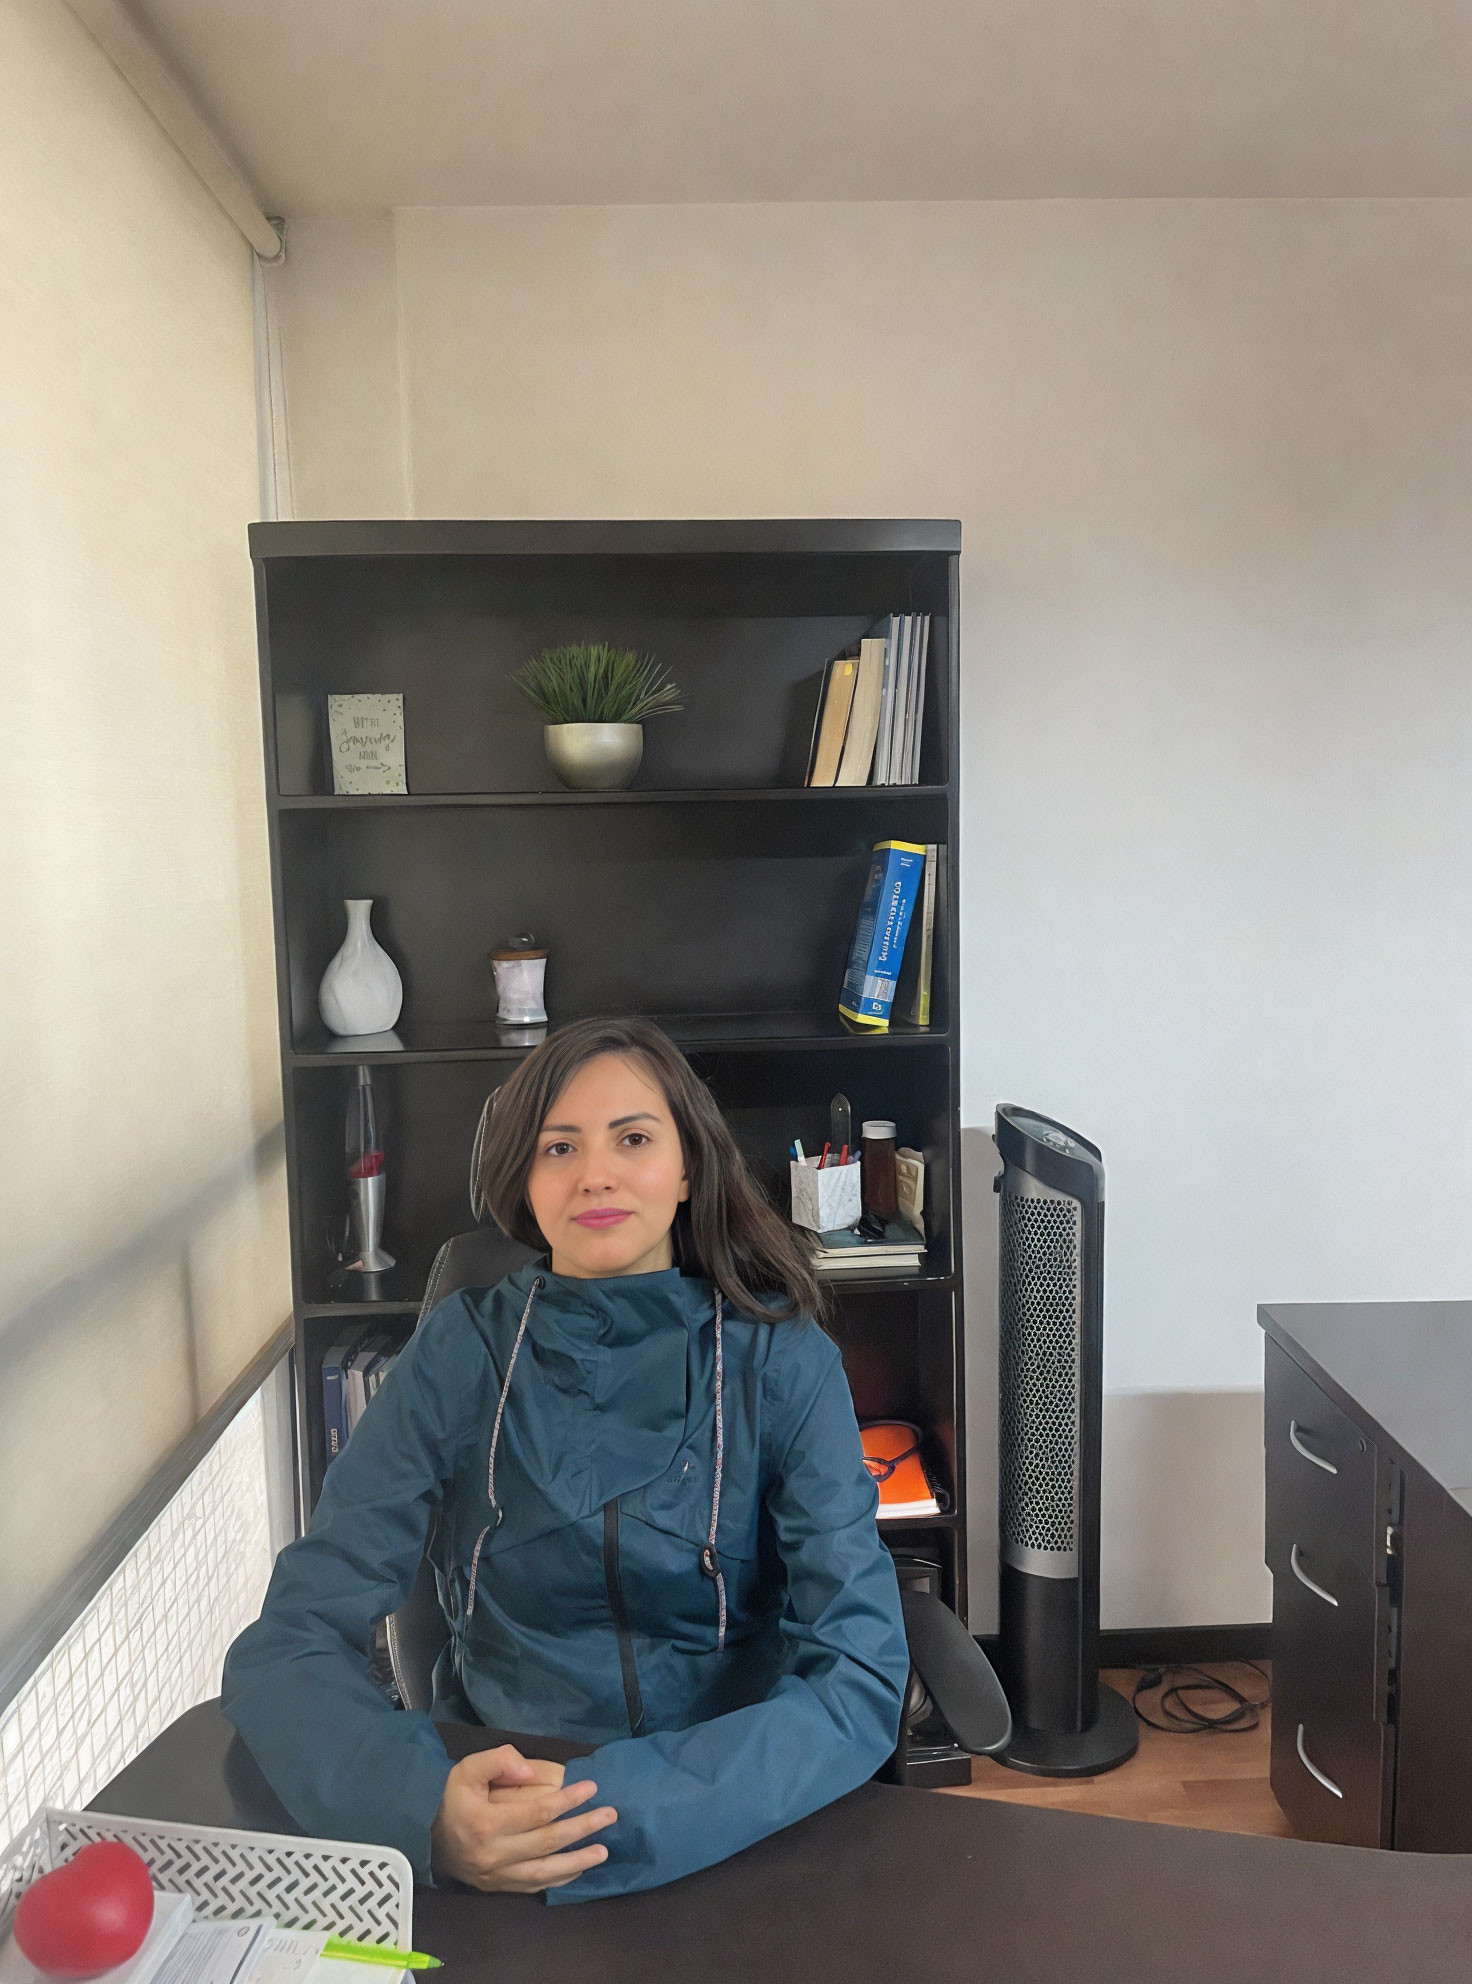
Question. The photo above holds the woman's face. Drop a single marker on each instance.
(608, 1173)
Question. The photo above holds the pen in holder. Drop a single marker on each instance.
(828, 1198)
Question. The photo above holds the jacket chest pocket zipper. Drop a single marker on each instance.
(633, 1700)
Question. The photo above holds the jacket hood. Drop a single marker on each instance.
(599, 1400)
(612, 1312)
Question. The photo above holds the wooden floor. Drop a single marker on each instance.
(1213, 1780)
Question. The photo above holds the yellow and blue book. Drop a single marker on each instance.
(874, 960)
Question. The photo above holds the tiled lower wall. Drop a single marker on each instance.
(151, 1643)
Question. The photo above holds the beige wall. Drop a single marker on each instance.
(140, 1113)
(1213, 461)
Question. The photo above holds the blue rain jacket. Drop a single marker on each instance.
(611, 1400)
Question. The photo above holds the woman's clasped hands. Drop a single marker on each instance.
(501, 1825)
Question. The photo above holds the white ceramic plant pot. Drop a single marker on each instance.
(595, 757)
(361, 991)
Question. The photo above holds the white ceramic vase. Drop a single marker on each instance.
(361, 991)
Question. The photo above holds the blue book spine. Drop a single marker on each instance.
(334, 1400)
(879, 938)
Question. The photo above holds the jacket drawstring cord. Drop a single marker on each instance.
(496, 1509)
(710, 1563)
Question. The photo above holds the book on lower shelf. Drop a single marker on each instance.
(894, 1456)
(334, 1398)
(900, 1251)
(352, 1371)
(896, 872)
(912, 987)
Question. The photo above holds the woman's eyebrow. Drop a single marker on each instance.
(618, 1122)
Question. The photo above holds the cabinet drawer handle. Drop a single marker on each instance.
(1307, 1452)
(1304, 1579)
(1313, 1769)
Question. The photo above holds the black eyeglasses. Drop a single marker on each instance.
(881, 1470)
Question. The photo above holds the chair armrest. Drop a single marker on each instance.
(957, 1675)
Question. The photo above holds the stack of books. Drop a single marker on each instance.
(849, 1252)
(352, 1372)
(871, 710)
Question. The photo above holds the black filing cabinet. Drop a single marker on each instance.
(1331, 1494)
(1367, 1439)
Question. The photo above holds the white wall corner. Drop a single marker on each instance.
(333, 305)
(1182, 1523)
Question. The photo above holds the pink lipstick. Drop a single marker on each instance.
(603, 1216)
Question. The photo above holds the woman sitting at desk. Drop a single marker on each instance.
(656, 1532)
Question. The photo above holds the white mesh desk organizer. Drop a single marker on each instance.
(363, 1892)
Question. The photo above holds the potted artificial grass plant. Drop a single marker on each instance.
(593, 700)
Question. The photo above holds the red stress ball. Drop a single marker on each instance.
(89, 1915)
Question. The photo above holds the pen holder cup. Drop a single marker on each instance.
(828, 1199)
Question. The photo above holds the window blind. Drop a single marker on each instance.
(141, 1192)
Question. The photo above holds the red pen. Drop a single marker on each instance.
(843, 1156)
(822, 1161)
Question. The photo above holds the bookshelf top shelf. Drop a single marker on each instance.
(762, 537)
(714, 795)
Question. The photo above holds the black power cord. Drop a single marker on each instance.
(1229, 1711)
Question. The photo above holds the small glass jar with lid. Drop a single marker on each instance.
(876, 1153)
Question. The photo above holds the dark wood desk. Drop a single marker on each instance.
(1368, 1443)
(893, 1886)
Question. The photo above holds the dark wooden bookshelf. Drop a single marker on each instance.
(717, 895)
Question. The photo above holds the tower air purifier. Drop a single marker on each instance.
(1051, 1254)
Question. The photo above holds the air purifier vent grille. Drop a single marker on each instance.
(1040, 1319)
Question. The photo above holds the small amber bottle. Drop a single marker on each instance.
(877, 1176)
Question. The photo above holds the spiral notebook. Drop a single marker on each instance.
(906, 1487)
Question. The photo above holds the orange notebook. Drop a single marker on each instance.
(892, 1456)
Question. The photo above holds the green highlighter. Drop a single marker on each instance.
(340, 1948)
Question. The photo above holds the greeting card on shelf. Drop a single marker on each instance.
(367, 737)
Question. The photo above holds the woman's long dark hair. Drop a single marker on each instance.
(726, 1230)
